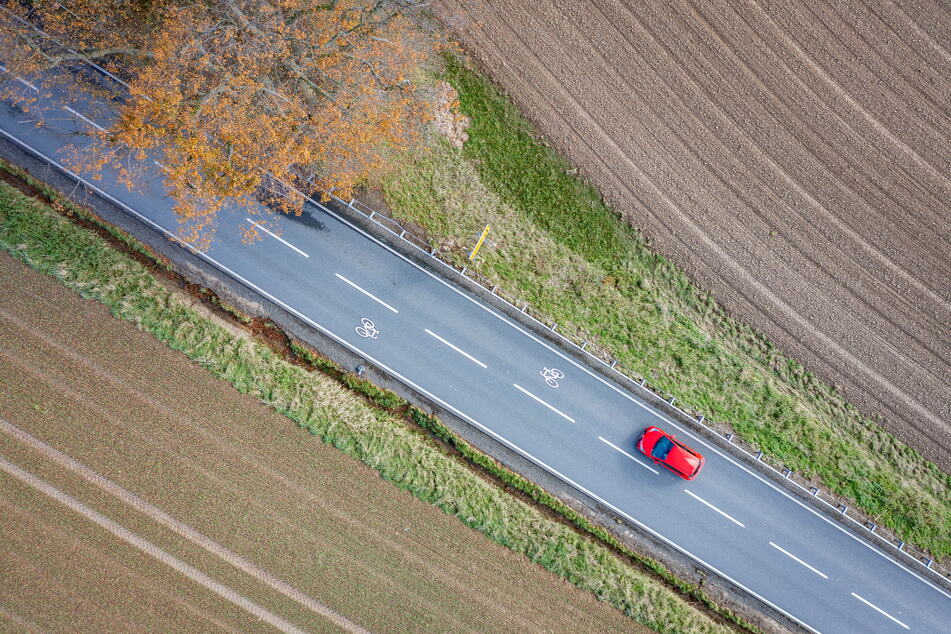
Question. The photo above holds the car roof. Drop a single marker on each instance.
(682, 460)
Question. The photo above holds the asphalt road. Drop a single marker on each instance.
(491, 372)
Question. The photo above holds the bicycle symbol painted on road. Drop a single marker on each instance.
(552, 376)
(367, 329)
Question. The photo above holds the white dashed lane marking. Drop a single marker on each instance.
(459, 350)
(557, 411)
(85, 118)
(366, 292)
(616, 448)
(793, 557)
(276, 237)
(880, 610)
(21, 80)
(702, 501)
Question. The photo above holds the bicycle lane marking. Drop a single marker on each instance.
(552, 375)
(528, 455)
(367, 329)
(531, 336)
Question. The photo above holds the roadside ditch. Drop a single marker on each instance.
(297, 344)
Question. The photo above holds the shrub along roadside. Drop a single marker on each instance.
(84, 262)
(558, 246)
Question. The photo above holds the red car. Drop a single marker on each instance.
(664, 449)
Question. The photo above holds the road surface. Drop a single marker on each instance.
(499, 376)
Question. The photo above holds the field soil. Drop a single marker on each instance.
(792, 158)
(115, 402)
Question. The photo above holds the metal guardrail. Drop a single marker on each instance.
(601, 356)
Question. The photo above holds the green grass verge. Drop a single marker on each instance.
(558, 246)
(393, 402)
(34, 233)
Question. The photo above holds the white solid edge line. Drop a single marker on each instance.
(437, 399)
(880, 610)
(792, 556)
(276, 237)
(702, 501)
(621, 392)
(459, 350)
(616, 448)
(366, 292)
(160, 554)
(421, 390)
(629, 397)
(558, 352)
(73, 51)
(554, 409)
(85, 118)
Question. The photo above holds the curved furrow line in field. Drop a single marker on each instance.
(109, 567)
(863, 96)
(774, 194)
(87, 401)
(819, 350)
(854, 75)
(891, 17)
(790, 100)
(865, 66)
(749, 145)
(941, 44)
(722, 109)
(884, 191)
(885, 41)
(826, 144)
(104, 386)
(727, 183)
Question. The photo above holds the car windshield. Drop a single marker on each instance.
(662, 448)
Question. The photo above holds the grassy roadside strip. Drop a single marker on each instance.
(394, 403)
(562, 249)
(50, 243)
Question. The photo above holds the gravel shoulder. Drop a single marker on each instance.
(129, 408)
(792, 159)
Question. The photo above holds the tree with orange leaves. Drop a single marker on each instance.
(234, 93)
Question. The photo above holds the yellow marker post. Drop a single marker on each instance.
(485, 232)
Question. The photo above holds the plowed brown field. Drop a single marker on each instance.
(117, 403)
(793, 158)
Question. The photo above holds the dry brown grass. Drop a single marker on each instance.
(314, 515)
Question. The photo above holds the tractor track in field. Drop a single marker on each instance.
(140, 493)
(793, 159)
